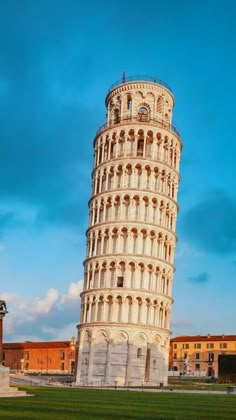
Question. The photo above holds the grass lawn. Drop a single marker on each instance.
(70, 403)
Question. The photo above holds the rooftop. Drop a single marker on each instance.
(36, 345)
(199, 338)
(143, 78)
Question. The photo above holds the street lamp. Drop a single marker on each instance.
(41, 362)
(3, 312)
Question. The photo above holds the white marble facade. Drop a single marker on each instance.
(123, 335)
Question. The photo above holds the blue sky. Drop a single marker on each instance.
(57, 61)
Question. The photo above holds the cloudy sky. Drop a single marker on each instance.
(57, 61)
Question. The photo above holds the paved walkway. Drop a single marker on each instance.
(42, 381)
(28, 380)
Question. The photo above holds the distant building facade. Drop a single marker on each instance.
(124, 328)
(40, 357)
(198, 355)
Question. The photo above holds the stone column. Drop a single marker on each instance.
(102, 243)
(108, 363)
(96, 311)
(128, 364)
(105, 306)
(134, 312)
(98, 154)
(89, 311)
(91, 353)
(109, 151)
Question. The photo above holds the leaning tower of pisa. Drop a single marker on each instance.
(123, 335)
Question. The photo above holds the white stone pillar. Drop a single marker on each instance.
(105, 307)
(96, 311)
(89, 312)
(134, 311)
(79, 362)
(90, 363)
(108, 362)
(128, 364)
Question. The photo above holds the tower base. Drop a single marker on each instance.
(115, 356)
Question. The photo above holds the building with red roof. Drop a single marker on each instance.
(40, 357)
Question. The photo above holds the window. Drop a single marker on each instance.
(143, 110)
(175, 356)
(210, 345)
(120, 281)
(116, 116)
(223, 345)
(140, 147)
(185, 346)
(129, 102)
(143, 114)
(197, 355)
(139, 352)
(27, 355)
(27, 366)
(197, 366)
(112, 150)
(62, 355)
(3, 355)
(197, 345)
(185, 355)
(210, 357)
(62, 366)
(175, 346)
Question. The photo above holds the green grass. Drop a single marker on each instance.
(70, 403)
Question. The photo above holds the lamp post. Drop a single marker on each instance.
(3, 312)
(41, 362)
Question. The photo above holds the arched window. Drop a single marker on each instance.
(140, 147)
(129, 102)
(143, 110)
(116, 116)
(143, 113)
(159, 106)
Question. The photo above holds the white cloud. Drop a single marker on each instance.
(52, 317)
(43, 306)
(9, 297)
(183, 249)
(67, 332)
(73, 292)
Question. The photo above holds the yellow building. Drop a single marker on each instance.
(197, 355)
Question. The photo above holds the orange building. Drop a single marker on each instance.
(40, 357)
(198, 355)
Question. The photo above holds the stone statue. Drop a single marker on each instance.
(187, 365)
(3, 307)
